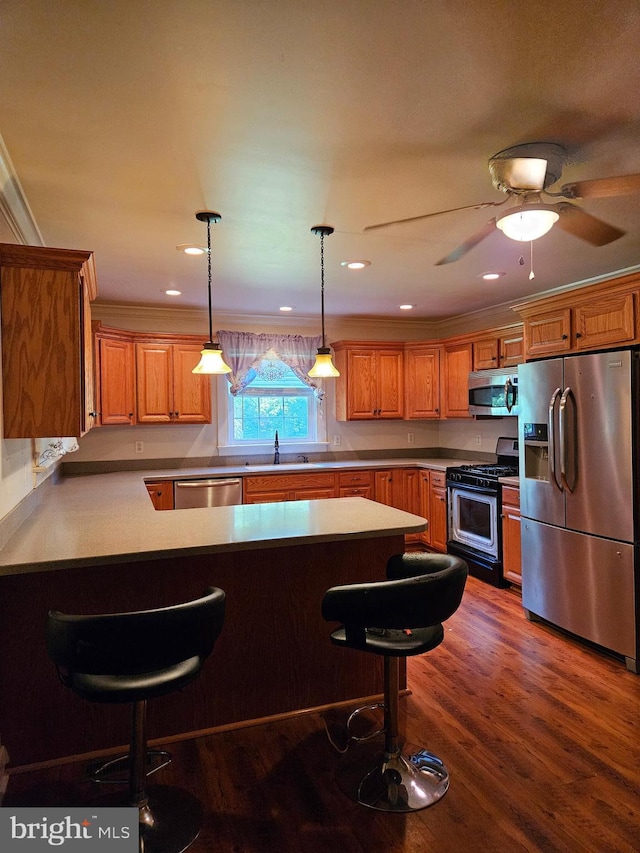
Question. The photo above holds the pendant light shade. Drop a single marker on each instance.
(323, 367)
(211, 361)
(528, 222)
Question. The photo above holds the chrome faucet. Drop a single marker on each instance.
(304, 458)
(276, 451)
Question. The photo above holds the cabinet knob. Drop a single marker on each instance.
(564, 337)
(177, 414)
(578, 334)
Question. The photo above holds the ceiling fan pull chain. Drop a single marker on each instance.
(532, 275)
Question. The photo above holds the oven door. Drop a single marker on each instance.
(473, 519)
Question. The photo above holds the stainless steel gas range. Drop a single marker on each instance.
(474, 503)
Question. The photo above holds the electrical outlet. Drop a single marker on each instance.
(336, 440)
(410, 437)
(478, 440)
(139, 445)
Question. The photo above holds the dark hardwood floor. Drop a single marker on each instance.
(541, 736)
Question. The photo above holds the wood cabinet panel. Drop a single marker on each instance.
(511, 543)
(485, 353)
(115, 363)
(191, 391)
(154, 383)
(511, 348)
(548, 332)
(47, 362)
(438, 517)
(161, 494)
(457, 366)
(605, 321)
(422, 382)
(371, 382)
(270, 488)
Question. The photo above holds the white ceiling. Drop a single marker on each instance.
(124, 118)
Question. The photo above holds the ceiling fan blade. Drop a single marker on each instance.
(461, 250)
(480, 206)
(581, 224)
(602, 187)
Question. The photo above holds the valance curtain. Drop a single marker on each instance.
(243, 352)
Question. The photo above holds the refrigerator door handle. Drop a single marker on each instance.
(552, 438)
(564, 448)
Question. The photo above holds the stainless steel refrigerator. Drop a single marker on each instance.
(578, 444)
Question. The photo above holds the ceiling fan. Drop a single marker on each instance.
(524, 173)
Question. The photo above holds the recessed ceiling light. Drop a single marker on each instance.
(191, 249)
(355, 265)
(173, 292)
(491, 276)
(406, 307)
(286, 308)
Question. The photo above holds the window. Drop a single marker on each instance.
(275, 400)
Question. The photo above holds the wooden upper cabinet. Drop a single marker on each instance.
(371, 381)
(485, 353)
(511, 347)
(548, 333)
(604, 321)
(147, 378)
(458, 359)
(116, 379)
(47, 362)
(422, 381)
(600, 316)
(168, 391)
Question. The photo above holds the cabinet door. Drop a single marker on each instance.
(422, 382)
(511, 536)
(161, 494)
(191, 392)
(457, 366)
(87, 383)
(438, 504)
(116, 373)
(511, 348)
(485, 354)
(383, 486)
(411, 497)
(425, 505)
(362, 399)
(44, 354)
(548, 333)
(317, 494)
(154, 384)
(606, 321)
(390, 379)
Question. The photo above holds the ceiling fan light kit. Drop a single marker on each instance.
(528, 222)
(527, 170)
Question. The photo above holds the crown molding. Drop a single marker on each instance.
(14, 207)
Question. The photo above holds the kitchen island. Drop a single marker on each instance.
(96, 545)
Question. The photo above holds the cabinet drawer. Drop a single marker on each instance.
(354, 478)
(288, 482)
(355, 491)
(438, 478)
(510, 496)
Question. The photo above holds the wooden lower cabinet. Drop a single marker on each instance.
(161, 494)
(438, 511)
(355, 484)
(511, 555)
(272, 488)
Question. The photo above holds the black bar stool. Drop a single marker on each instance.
(396, 618)
(134, 657)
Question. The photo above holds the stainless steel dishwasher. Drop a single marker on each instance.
(222, 491)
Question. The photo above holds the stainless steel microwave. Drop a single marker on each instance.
(494, 392)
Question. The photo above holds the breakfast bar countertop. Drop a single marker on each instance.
(100, 519)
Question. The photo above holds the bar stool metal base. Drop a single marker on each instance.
(170, 821)
(393, 782)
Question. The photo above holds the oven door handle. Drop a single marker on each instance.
(476, 490)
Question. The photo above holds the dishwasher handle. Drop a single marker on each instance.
(205, 484)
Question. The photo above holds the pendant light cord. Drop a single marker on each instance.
(322, 285)
(209, 278)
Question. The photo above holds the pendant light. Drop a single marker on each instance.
(323, 367)
(211, 360)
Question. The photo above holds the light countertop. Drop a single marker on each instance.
(109, 518)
